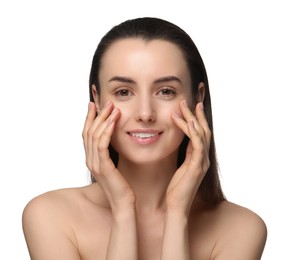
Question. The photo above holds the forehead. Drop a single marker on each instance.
(142, 57)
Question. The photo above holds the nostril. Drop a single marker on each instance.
(145, 111)
(146, 117)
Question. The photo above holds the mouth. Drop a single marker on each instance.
(142, 135)
(145, 136)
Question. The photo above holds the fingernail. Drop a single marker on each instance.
(108, 103)
(114, 110)
(185, 103)
(90, 105)
(174, 114)
(110, 122)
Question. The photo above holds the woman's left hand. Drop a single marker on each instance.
(187, 179)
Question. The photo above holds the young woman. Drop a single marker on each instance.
(149, 145)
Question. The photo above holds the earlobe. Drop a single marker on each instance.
(96, 97)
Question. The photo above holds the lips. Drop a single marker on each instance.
(142, 135)
(145, 136)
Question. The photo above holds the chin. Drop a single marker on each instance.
(148, 157)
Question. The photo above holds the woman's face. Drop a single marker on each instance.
(146, 80)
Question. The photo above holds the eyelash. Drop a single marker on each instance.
(121, 93)
(172, 92)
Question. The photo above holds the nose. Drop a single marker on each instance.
(145, 110)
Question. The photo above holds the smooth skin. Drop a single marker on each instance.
(145, 208)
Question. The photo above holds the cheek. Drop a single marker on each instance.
(165, 116)
(120, 123)
(179, 134)
(167, 111)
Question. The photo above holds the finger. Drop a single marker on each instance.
(187, 116)
(181, 123)
(101, 139)
(97, 133)
(190, 117)
(91, 114)
(103, 144)
(101, 117)
(196, 139)
(90, 122)
(200, 114)
(105, 137)
(186, 112)
(199, 162)
(95, 129)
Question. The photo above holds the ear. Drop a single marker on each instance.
(201, 92)
(96, 98)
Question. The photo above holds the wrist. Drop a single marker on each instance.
(180, 210)
(178, 215)
(124, 213)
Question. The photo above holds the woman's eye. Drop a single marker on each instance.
(167, 92)
(123, 93)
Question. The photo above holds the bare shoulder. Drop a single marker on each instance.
(50, 222)
(63, 204)
(54, 204)
(242, 233)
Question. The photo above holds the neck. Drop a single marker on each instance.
(149, 182)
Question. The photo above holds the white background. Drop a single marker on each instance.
(46, 49)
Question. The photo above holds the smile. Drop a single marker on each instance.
(144, 137)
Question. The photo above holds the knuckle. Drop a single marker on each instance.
(207, 131)
(202, 134)
(101, 147)
(206, 164)
(87, 118)
(88, 164)
(201, 148)
(89, 133)
(95, 170)
(94, 135)
(198, 173)
(84, 134)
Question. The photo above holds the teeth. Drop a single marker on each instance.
(143, 135)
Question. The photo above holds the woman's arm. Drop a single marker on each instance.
(185, 183)
(176, 238)
(46, 227)
(244, 233)
(123, 237)
(96, 135)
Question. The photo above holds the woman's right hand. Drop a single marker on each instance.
(96, 135)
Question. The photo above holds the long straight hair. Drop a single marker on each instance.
(148, 29)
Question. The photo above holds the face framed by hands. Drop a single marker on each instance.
(146, 80)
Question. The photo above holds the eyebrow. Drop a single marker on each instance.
(121, 79)
(160, 80)
(168, 79)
